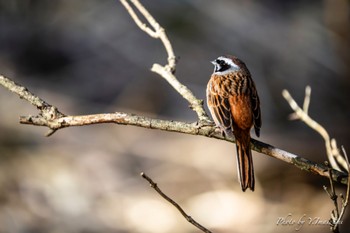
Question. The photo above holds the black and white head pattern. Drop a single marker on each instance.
(224, 65)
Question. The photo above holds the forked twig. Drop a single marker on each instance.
(333, 153)
(171, 201)
(167, 71)
(157, 32)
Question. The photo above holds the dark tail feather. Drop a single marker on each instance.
(245, 165)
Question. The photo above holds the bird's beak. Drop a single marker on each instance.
(213, 62)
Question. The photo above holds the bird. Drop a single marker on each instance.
(234, 105)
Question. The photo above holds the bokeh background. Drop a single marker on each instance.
(89, 57)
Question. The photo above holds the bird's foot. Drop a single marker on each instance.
(212, 128)
(204, 123)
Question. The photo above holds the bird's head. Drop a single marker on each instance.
(227, 64)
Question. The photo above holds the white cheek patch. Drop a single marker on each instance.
(230, 62)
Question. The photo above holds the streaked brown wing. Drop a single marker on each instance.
(256, 110)
(220, 109)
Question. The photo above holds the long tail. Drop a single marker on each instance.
(245, 162)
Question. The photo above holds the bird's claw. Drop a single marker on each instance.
(204, 123)
(213, 128)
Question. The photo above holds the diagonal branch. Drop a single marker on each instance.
(48, 111)
(167, 71)
(332, 150)
(171, 201)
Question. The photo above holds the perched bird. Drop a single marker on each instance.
(235, 107)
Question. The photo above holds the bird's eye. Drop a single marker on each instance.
(222, 63)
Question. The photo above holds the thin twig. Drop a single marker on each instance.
(333, 154)
(334, 197)
(171, 201)
(47, 111)
(153, 33)
(157, 32)
(307, 99)
(338, 217)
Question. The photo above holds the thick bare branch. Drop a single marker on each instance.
(55, 120)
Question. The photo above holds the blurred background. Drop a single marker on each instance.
(89, 57)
